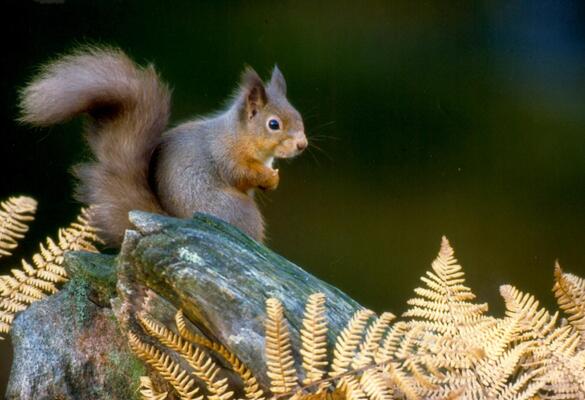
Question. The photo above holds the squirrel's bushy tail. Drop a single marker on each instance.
(128, 108)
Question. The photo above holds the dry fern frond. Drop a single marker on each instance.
(166, 367)
(563, 369)
(371, 344)
(401, 381)
(351, 388)
(348, 342)
(535, 322)
(497, 376)
(354, 373)
(448, 349)
(554, 348)
(440, 335)
(251, 386)
(203, 366)
(392, 342)
(279, 360)
(569, 290)
(15, 214)
(445, 304)
(35, 282)
(314, 339)
(148, 391)
(526, 387)
(375, 385)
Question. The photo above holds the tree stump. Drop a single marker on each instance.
(73, 345)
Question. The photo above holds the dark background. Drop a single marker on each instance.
(431, 117)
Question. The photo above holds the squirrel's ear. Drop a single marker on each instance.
(277, 81)
(254, 92)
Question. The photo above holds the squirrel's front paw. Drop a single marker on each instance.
(270, 180)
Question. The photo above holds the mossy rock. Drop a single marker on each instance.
(73, 345)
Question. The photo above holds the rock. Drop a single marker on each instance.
(73, 344)
(68, 347)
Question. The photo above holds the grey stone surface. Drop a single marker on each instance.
(73, 344)
(68, 347)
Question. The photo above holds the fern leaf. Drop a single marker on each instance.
(348, 341)
(417, 369)
(391, 342)
(15, 214)
(569, 290)
(164, 365)
(375, 385)
(203, 366)
(535, 322)
(445, 304)
(563, 369)
(31, 283)
(495, 336)
(148, 391)
(526, 387)
(497, 375)
(401, 381)
(371, 344)
(314, 339)
(279, 359)
(351, 387)
(251, 386)
(554, 348)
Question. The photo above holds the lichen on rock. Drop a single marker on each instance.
(73, 345)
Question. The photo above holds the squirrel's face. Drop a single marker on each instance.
(273, 126)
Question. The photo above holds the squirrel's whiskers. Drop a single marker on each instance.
(212, 164)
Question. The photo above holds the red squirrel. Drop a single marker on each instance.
(211, 164)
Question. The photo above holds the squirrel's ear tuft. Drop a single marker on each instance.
(254, 92)
(277, 81)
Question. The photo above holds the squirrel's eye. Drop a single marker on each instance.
(273, 124)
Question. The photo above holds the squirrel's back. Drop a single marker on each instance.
(210, 165)
(128, 108)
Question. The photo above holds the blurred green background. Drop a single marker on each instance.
(428, 118)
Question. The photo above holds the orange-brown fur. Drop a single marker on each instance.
(209, 164)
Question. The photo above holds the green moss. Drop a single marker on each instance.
(125, 368)
(97, 270)
(79, 291)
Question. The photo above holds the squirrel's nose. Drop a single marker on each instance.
(302, 144)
